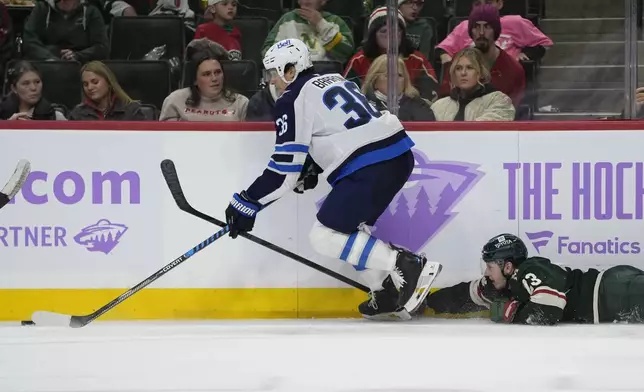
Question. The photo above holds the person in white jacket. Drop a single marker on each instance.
(472, 97)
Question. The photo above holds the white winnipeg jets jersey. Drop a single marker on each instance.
(329, 118)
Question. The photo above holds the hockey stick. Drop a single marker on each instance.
(57, 319)
(18, 178)
(172, 179)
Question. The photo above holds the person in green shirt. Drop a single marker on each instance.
(327, 36)
(419, 31)
(71, 30)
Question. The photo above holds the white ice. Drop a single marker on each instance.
(321, 355)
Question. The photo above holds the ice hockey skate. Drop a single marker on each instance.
(383, 304)
(413, 276)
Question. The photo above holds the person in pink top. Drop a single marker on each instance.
(519, 37)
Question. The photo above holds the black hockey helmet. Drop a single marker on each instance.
(505, 247)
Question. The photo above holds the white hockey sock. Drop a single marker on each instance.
(359, 249)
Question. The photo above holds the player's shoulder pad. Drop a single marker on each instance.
(531, 265)
(541, 269)
(323, 81)
(539, 263)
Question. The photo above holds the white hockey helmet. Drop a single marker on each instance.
(288, 51)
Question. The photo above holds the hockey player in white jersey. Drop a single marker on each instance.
(324, 124)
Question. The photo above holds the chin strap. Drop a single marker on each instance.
(286, 81)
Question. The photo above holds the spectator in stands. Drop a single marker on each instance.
(120, 8)
(508, 75)
(261, 104)
(180, 8)
(103, 97)
(411, 106)
(25, 100)
(639, 98)
(327, 36)
(419, 32)
(472, 97)
(65, 29)
(208, 98)
(639, 107)
(519, 37)
(220, 29)
(6, 37)
(420, 70)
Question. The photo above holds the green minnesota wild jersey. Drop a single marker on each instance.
(548, 294)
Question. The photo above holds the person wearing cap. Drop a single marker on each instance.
(327, 36)
(519, 37)
(507, 74)
(419, 31)
(422, 73)
(220, 29)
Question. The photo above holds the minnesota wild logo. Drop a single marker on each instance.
(309, 40)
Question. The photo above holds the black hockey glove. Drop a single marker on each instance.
(241, 213)
(309, 177)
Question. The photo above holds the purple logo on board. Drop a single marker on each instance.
(425, 205)
(101, 237)
(574, 246)
(539, 239)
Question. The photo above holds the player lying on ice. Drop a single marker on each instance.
(324, 125)
(531, 290)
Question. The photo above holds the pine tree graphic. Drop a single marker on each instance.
(400, 235)
(419, 221)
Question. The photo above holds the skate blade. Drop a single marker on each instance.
(427, 276)
(401, 315)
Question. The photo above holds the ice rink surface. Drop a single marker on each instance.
(321, 355)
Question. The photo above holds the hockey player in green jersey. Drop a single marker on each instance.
(519, 289)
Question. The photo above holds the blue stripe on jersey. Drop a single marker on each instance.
(373, 157)
(303, 148)
(366, 251)
(285, 168)
(347, 247)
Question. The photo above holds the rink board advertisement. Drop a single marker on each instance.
(95, 217)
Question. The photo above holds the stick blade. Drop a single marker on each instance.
(172, 180)
(50, 319)
(17, 179)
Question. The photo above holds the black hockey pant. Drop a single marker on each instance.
(621, 295)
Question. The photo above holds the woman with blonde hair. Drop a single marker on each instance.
(104, 98)
(412, 107)
(472, 97)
